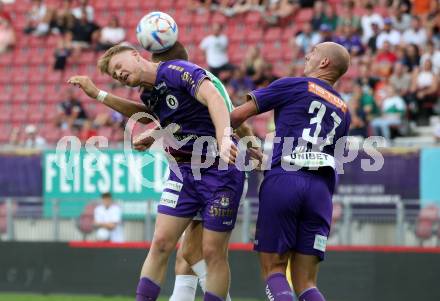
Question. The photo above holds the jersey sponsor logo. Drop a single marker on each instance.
(328, 96)
(172, 102)
(320, 243)
(269, 294)
(173, 185)
(174, 67)
(169, 199)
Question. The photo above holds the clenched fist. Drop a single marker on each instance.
(85, 83)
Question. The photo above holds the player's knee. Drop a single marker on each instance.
(162, 244)
(212, 254)
(191, 252)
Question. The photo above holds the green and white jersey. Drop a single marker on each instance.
(221, 89)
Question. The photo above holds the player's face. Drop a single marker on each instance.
(313, 59)
(125, 67)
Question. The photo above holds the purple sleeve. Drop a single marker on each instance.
(187, 76)
(276, 94)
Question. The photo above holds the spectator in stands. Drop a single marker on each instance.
(411, 56)
(108, 220)
(416, 34)
(84, 8)
(264, 75)
(318, 15)
(325, 33)
(392, 112)
(113, 119)
(111, 34)
(388, 34)
(240, 85)
(346, 15)
(348, 37)
(252, 59)
(400, 79)
(369, 18)
(431, 53)
(306, 39)
(279, 9)
(30, 140)
(82, 32)
(358, 126)
(62, 22)
(372, 41)
(71, 114)
(87, 131)
(425, 88)
(365, 92)
(38, 18)
(7, 34)
(62, 53)
(401, 19)
(215, 47)
(385, 59)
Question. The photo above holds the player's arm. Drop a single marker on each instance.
(124, 106)
(241, 113)
(208, 95)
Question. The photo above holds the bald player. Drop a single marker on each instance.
(296, 194)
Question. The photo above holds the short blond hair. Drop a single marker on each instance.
(104, 60)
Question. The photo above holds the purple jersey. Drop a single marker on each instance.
(308, 111)
(173, 100)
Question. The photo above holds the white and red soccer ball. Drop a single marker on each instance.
(157, 32)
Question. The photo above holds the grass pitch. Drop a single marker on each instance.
(36, 297)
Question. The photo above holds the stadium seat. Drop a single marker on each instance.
(252, 19)
(254, 35)
(272, 35)
(304, 15)
(6, 59)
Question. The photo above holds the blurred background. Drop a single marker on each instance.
(385, 223)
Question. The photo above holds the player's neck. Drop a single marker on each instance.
(325, 77)
(149, 74)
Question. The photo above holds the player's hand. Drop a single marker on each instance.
(256, 153)
(143, 141)
(85, 83)
(228, 150)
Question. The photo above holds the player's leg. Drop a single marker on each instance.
(167, 231)
(281, 196)
(215, 253)
(176, 209)
(313, 230)
(185, 285)
(305, 275)
(222, 190)
(274, 268)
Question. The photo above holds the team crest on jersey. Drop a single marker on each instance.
(224, 201)
(172, 102)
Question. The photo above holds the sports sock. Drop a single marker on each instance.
(147, 290)
(311, 294)
(185, 288)
(200, 270)
(277, 288)
(211, 297)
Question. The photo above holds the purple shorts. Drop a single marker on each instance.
(295, 212)
(216, 196)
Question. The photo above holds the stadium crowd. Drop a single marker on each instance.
(392, 85)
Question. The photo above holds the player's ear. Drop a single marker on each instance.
(135, 53)
(324, 62)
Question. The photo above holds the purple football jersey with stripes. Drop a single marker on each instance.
(173, 100)
(308, 111)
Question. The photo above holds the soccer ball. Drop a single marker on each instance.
(157, 32)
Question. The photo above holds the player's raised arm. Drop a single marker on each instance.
(243, 112)
(208, 95)
(124, 106)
